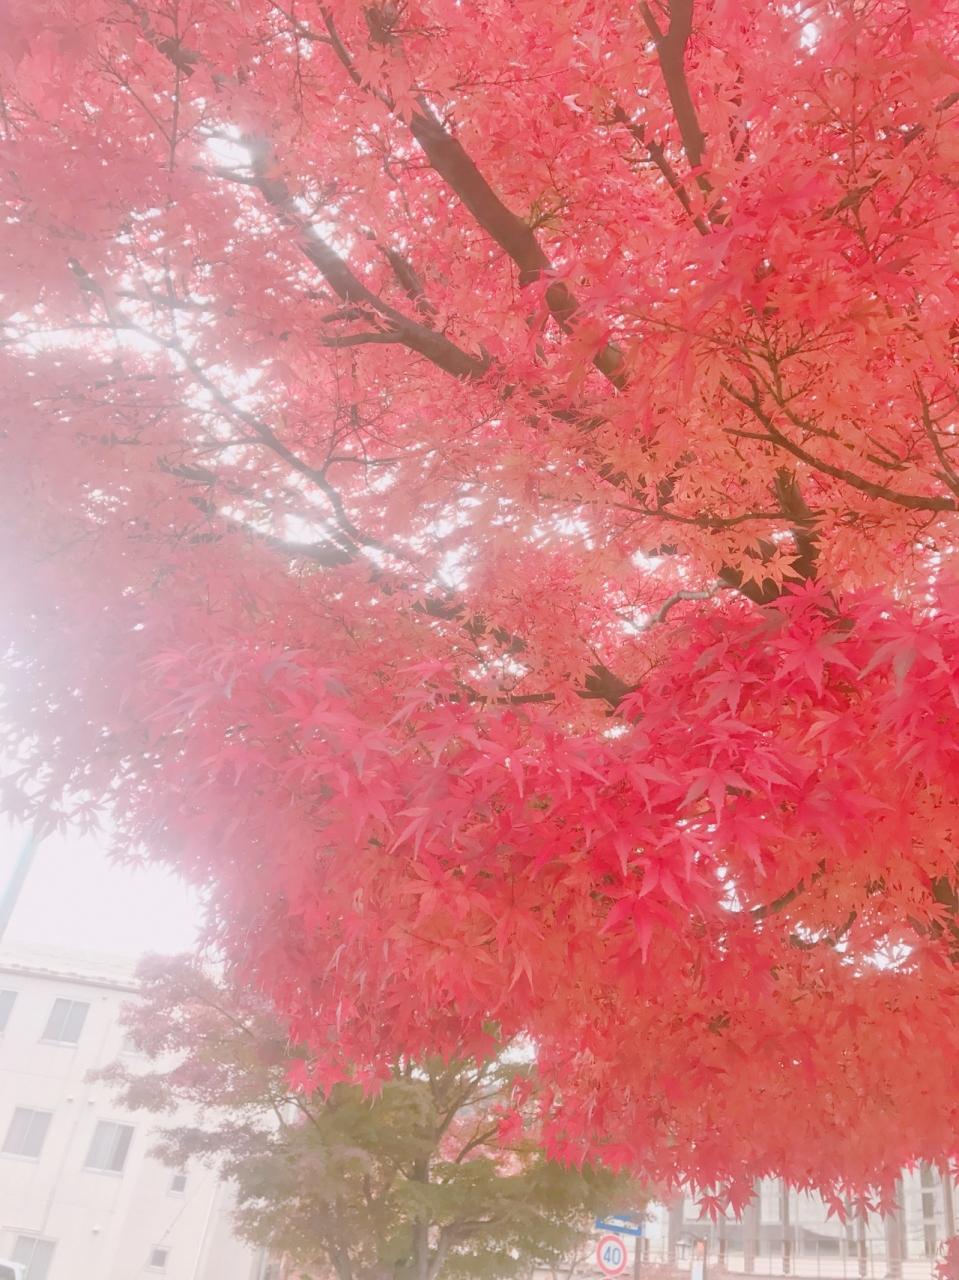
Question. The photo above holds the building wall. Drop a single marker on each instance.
(105, 1225)
(913, 1235)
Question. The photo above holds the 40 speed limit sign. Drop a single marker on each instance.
(611, 1255)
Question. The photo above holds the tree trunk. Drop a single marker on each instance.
(420, 1172)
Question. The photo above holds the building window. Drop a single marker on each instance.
(66, 1021)
(158, 1259)
(26, 1133)
(128, 1047)
(178, 1183)
(34, 1254)
(7, 1000)
(770, 1200)
(108, 1150)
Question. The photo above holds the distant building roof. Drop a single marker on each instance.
(88, 967)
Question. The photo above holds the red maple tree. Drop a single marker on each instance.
(480, 491)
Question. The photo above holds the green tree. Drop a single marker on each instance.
(434, 1174)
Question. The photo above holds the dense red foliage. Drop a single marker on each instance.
(481, 493)
(947, 1266)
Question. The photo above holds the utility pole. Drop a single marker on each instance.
(675, 1229)
(894, 1238)
(751, 1221)
(948, 1208)
(721, 1239)
(21, 870)
(787, 1228)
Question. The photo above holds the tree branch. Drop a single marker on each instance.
(427, 342)
(451, 161)
(676, 598)
(911, 501)
(948, 474)
(658, 156)
(671, 51)
(476, 1141)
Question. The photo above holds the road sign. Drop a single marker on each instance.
(611, 1255)
(624, 1224)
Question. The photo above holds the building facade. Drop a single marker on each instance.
(81, 1197)
(785, 1232)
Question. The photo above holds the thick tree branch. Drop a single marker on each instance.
(671, 52)
(418, 337)
(670, 603)
(451, 161)
(802, 520)
(409, 281)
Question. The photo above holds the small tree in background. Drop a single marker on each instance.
(433, 1175)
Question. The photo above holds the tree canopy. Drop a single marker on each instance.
(481, 494)
(428, 1180)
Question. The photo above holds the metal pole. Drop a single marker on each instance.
(948, 1208)
(21, 870)
(894, 1250)
(674, 1229)
(721, 1241)
(751, 1220)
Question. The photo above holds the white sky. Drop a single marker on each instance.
(76, 898)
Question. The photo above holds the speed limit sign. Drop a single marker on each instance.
(611, 1255)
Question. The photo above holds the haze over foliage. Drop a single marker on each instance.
(480, 489)
(430, 1179)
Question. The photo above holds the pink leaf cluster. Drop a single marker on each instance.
(480, 494)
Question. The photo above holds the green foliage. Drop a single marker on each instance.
(414, 1182)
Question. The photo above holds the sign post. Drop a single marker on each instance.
(698, 1269)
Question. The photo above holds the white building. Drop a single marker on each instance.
(81, 1198)
(784, 1232)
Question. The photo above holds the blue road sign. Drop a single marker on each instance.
(623, 1224)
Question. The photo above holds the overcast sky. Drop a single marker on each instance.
(76, 898)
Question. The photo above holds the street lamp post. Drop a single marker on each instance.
(21, 870)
